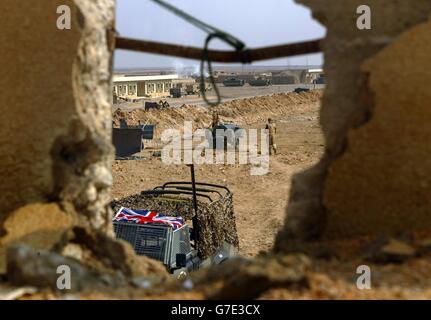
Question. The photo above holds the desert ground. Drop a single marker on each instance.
(259, 201)
(399, 266)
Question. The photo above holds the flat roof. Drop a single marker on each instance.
(315, 70)
(144, 78)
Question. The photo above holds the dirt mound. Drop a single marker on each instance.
(242, 111)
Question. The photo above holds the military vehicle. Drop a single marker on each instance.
(260, 82)
(233, 82)
(231, 133)
(192, 89)
(209, 240)
(154, 105)
(176, 92)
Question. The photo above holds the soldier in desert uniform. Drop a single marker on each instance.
(272, 132)
(215, 120)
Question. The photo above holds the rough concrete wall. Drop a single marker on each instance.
(55, 112)
(353, 190)
(382, 183)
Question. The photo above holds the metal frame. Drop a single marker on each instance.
(171, 243)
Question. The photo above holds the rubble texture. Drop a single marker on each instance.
(384, 175)
(39, 225)
(55, 148)
(55, 159)
(247, 279)
(372, 179)
(55, 137)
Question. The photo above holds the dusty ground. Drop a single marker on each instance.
(259, 206)
(259, 200)
(336, 277)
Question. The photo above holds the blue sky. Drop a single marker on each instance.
(258, 23)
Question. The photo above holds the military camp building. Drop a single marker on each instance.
(135, 87)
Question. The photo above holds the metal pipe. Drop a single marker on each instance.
(245, 56)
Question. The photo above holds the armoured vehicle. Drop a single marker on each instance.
(233, 82)
(210, 239)
(231, 133)
(176, 92)
(192, 89)
(260, 82)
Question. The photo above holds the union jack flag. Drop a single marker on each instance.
(148, 216)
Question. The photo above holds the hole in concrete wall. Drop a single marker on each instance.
(273, 275)
(299, 139)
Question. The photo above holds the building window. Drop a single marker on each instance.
(159, 87)
(151, 87)
(167, 86)
(132, 89)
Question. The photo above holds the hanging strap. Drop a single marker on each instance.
(213, 33)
